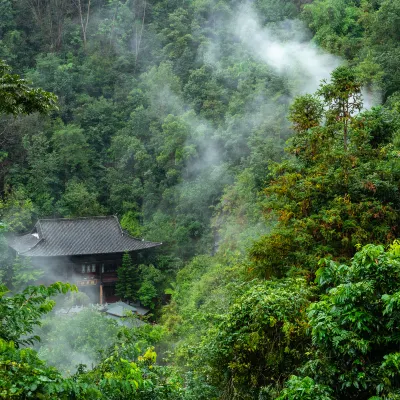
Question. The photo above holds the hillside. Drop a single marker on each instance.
(260, 143)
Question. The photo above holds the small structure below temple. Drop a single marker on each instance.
(84, 251)
(118, 311)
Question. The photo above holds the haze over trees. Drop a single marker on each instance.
(260, 143)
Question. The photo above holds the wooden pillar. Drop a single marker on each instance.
(101, 294)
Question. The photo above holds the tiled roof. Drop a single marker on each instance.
(78, 236)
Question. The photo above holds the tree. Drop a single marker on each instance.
(17, 210)
(128, 279)
(337, 24)
(354, 328)
(17, 97)
(84, 19)
(23, 375)
(72, 153)
(151, 285)
(260, 340)
(20, 313)
(79, 201)
(339, 187)
(24, 273)
(343, 98)
(130, 374)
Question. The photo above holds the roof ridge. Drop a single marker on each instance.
(140, 240)
(119, 225)
(40, 230)
(78, 218)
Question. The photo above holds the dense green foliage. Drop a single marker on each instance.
(128, 279)
(341, 188)
(142, 282)
(21, 312)
(280, 269)
(18, 98)
(122, 373)
(354, 326)
(152, 134)
(365, 33)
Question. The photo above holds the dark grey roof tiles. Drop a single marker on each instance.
(79, 236)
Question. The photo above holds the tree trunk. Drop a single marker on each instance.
(84, 20)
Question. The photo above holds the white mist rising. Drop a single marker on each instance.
(288, 49)
(285, 50)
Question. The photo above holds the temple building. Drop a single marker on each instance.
(84, 251)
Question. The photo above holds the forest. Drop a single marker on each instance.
(260, 142)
